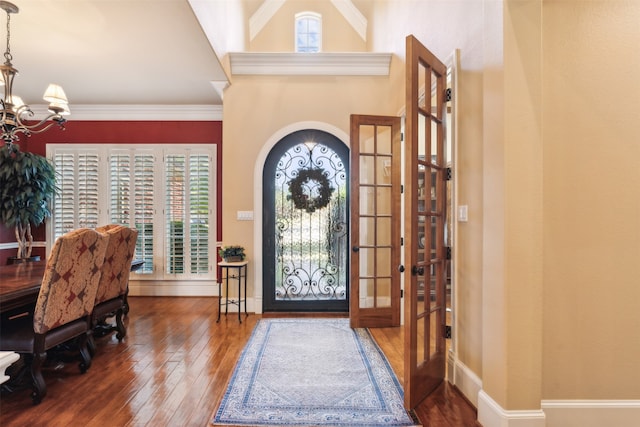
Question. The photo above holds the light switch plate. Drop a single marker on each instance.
(463, 213)
(245, 216)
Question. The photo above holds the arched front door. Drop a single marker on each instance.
(305, 224)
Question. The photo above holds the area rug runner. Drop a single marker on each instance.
(312, 372)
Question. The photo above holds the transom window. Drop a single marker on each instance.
(308, 32)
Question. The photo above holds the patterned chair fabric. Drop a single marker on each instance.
(114, 282)
(70, 281)
(64, 306)
(117, 261)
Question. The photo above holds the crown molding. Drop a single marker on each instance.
(81, 112)
(311, 64)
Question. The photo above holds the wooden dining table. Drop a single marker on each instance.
(20, 284)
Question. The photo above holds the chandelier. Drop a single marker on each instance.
(17, 117)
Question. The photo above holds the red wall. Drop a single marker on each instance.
(121, 132)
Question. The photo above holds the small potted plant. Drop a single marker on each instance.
(232, 253)
(27, 186)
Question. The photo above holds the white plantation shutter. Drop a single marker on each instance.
(143, 208)
(175, 214)
(131, 178)
(76, 205)
(188, 212)
(120, 188)
(199, 212)
(127, 187)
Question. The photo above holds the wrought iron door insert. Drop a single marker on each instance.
(305, 225)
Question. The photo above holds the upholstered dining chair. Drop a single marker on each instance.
(64, 305)
(114, 281)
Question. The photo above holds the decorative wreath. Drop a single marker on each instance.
(300, 190)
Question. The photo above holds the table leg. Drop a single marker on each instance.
(239, 294)
(245, 291)
(219, 296)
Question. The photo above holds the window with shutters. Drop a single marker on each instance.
(77, 203)
(166, 192)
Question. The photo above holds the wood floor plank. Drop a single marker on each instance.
(172, 369)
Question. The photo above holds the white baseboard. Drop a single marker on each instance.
(592, 413)
(154, 288)
(490, 414)
(465, 380)
(172, 289)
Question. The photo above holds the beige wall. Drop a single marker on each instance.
(591, 149)
(548, 153)
(256, 108)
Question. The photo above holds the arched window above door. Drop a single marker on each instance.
(308, 30)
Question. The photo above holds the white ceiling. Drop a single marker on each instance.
(116, 52)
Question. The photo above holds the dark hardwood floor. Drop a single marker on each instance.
(172, 369)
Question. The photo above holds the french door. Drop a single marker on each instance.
(425, 219)
(375, 221)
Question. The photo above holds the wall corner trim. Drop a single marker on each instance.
(491, 414)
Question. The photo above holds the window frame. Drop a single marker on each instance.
(311, 16)
(160, 235)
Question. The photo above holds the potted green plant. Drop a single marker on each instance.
(232, 253)
(27, 186)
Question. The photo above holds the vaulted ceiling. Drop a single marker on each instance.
(131, 52)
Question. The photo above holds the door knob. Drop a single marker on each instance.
(356, 249)
(417, 271)
(401, 268)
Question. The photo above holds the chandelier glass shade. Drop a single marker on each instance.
(16, 116)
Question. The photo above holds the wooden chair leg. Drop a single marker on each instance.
(91, 344)
(85, 356)
(122, 331)
(39, 386)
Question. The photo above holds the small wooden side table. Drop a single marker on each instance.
(235, 271)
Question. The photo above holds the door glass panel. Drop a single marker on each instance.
(432, 292)
(383, 229)
(367, 262)
(383, 297)
(383, 170)
(434, 92)
(434, 141)
(367, 170)
(384, 201)
(432, 233)
(367, 206)
(420, 345)
(367, 142)
(423, 86)
(422, 138)
(384, 140)
(433, 325)
(367, 231)
(367, 291)
(383, 268)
